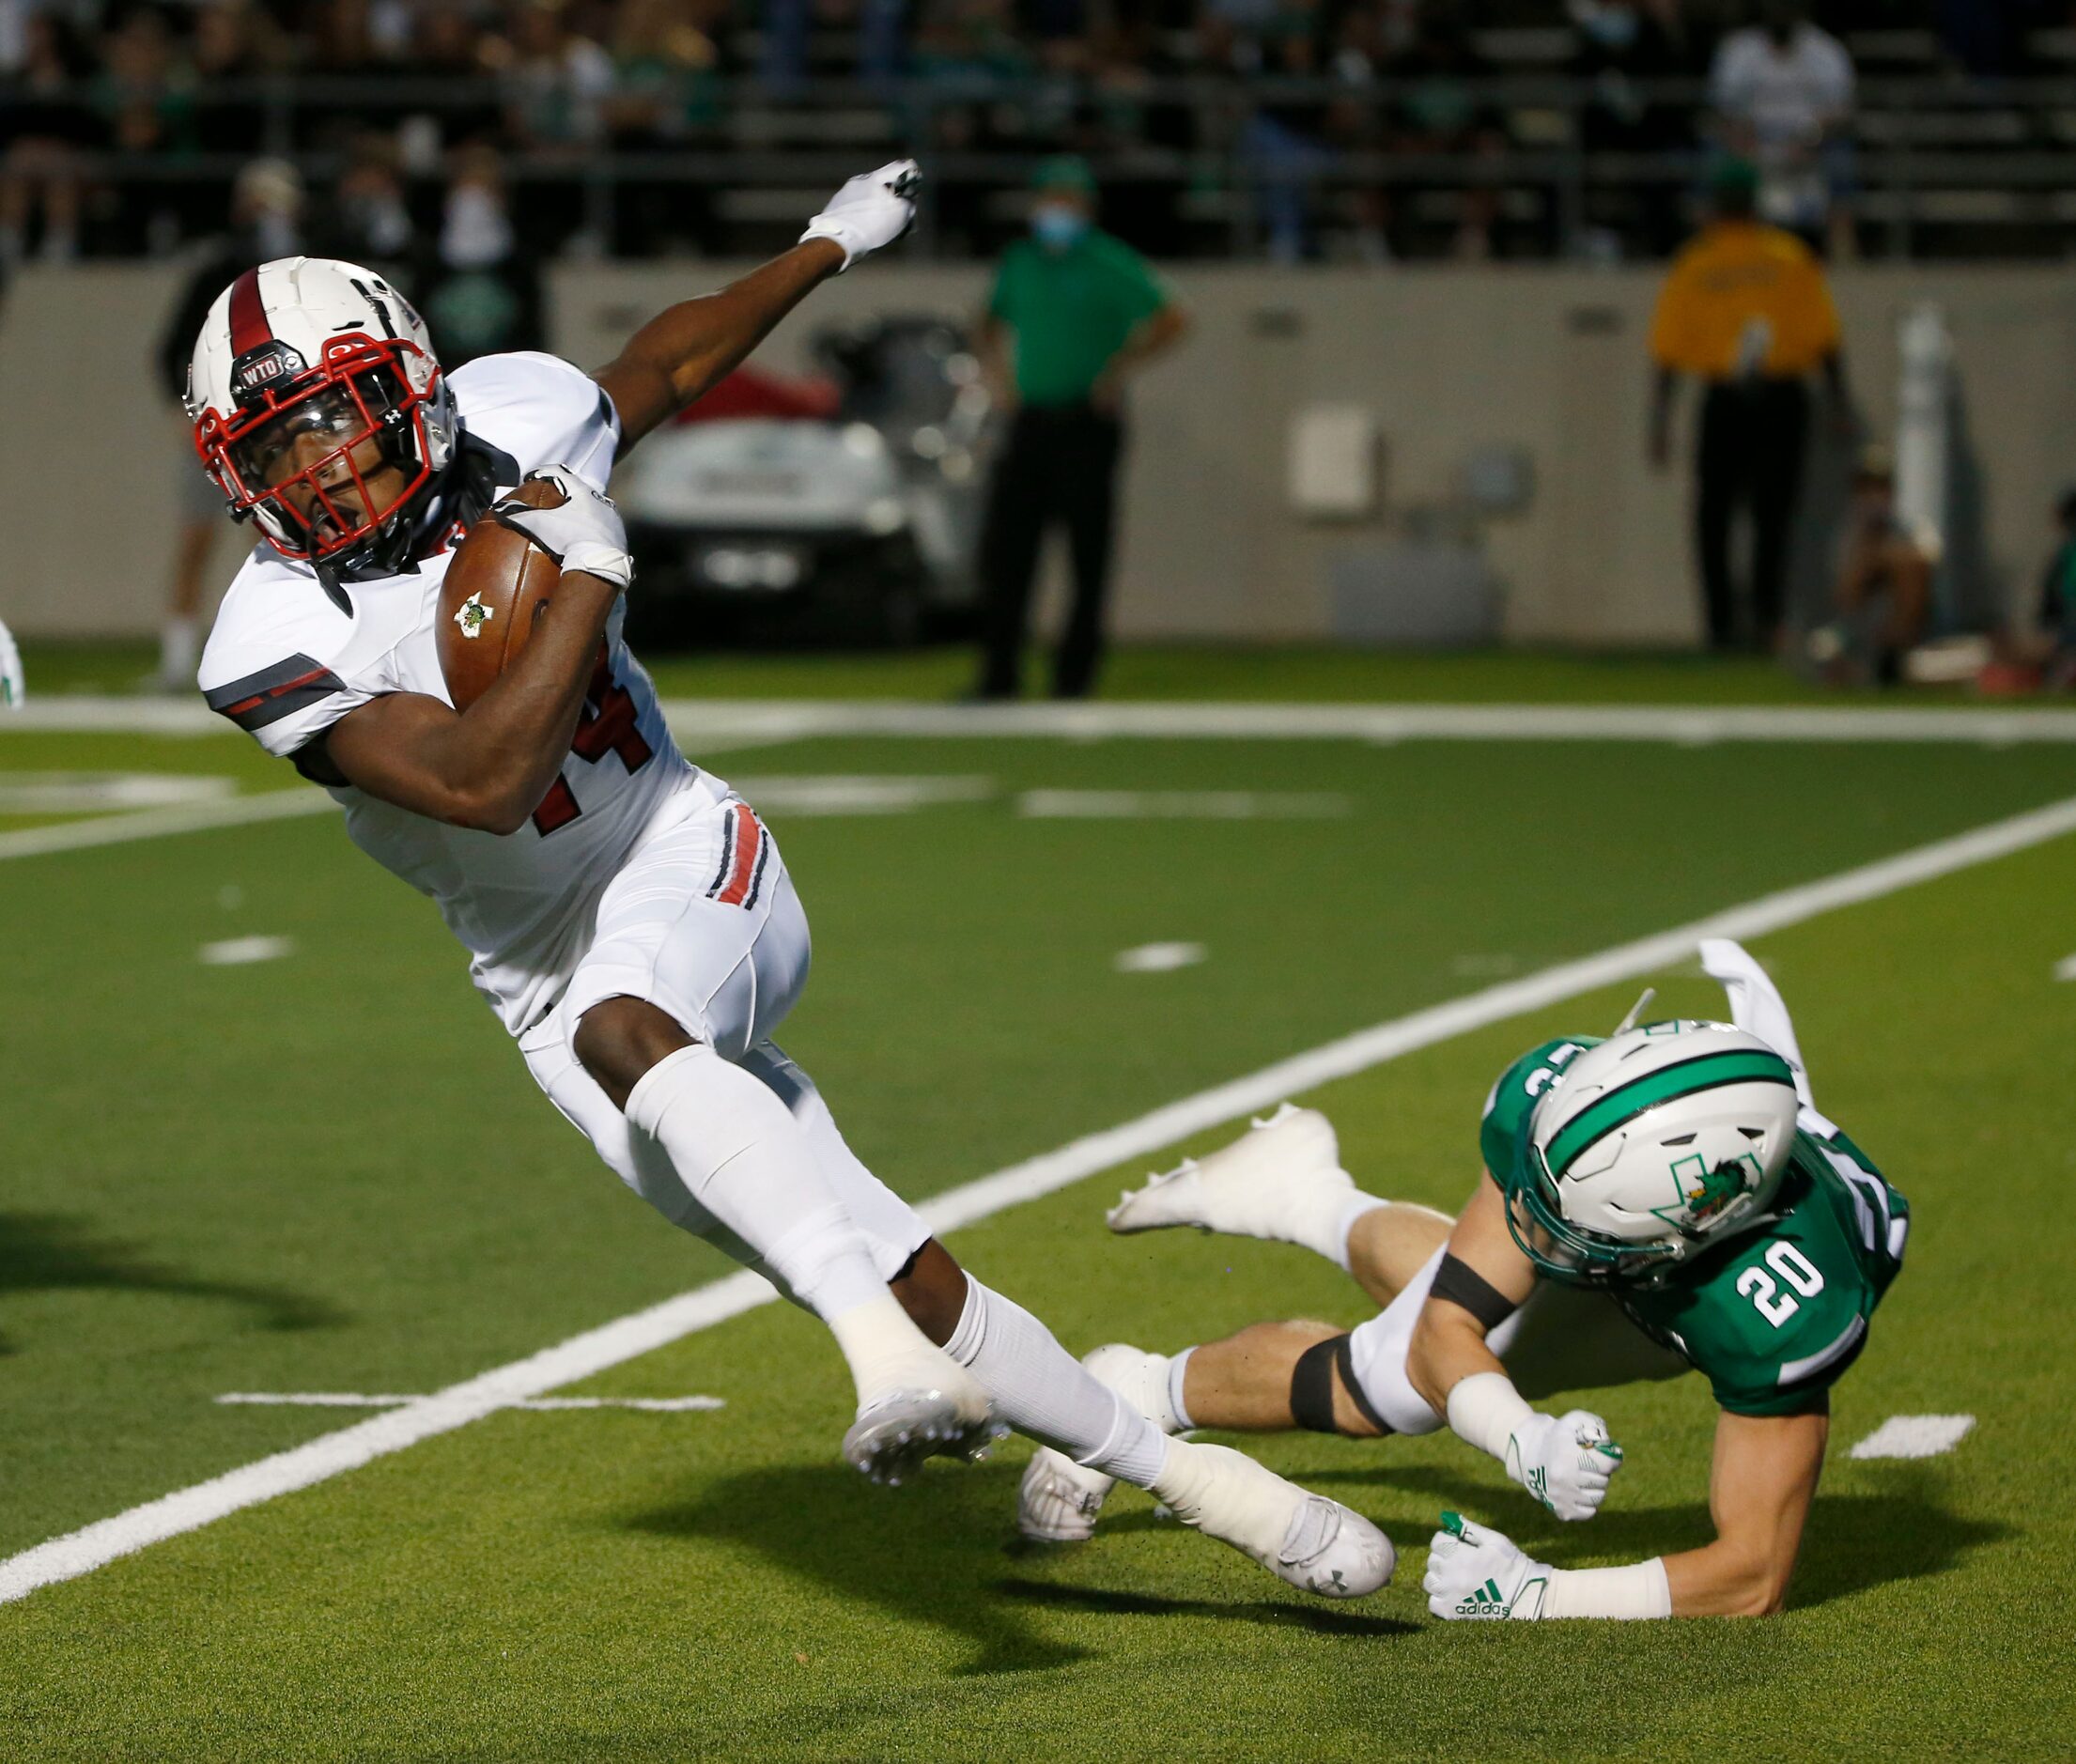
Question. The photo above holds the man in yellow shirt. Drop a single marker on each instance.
(1745, 310)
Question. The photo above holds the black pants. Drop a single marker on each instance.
(1059, 466)
(1751, 453)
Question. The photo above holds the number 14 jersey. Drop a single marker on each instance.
(288, 656)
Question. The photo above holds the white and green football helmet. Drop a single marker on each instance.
(1649, 1149)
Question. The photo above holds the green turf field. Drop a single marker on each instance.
(328, 1172)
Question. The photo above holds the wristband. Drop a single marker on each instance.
(1485, 1409)
(1639, 1591)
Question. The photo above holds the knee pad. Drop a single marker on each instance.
(1312, 1387)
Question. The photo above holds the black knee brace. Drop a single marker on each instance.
(1312, 1386)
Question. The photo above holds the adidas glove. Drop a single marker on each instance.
(1479, 1573)
(1565, 1461)
(1475, 1572)
(869, 212)
(584, 533)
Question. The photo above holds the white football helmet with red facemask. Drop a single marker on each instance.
(320, 411)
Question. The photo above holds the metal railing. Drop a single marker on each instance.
(1932, 152)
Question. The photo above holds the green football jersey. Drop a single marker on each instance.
(1777, 1313)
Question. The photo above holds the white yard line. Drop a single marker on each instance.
(748, 722)
(1915, 1436)
(353, 1400)
(116, 829)
(626, 1337)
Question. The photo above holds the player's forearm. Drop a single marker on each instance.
(1722, 1579)
(505, 750)
(1444, 1352)
(688, 349)
(1154, 337)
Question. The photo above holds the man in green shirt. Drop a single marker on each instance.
(1073, 311)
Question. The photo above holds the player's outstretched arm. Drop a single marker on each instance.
(1765, 1476)
(1763, 1481)
(488, 767)
(1565, 1461)
(683, 351)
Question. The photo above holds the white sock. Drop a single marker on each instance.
(1227, 1494)
(741, 1155)
(1178, 1368)
(176, 656)
(1043, 1392)
(1334, 1230)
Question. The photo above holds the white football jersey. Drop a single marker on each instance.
(288, 656)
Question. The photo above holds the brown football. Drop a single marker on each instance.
(498, 584)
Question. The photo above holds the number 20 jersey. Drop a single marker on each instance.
(1774, 1315)
(288, 656)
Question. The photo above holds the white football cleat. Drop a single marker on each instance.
(1060, 1500)
(950, 1416)
(1315, 1544)
(1280, 1168)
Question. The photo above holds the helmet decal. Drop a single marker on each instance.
(1701, 1194)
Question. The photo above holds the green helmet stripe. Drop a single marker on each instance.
(1708, 1072)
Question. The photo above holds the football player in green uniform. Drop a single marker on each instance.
(1664, 1200)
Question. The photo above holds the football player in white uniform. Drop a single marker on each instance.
(629, 918)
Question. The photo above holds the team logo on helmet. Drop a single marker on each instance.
(264, 366)
(1701, 1194)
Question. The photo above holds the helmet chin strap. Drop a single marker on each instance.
(1635, 1011)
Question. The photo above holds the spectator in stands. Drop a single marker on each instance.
(265, 222)
(666, 97)
(369, 220)
(1746, 310)
(556, 81)
(479, 290)
(448, 47)
(1783, 91)
(1622, 46)
(43, 129)
(1074, 312)
(1283, 141)
(1440, 114)
(1882, 591)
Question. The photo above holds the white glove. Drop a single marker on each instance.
(869, 212)
(584, 533)
(11, 686)
(1479, 1573)
(1565, 1461)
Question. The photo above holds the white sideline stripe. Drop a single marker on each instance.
(584, 1356)
(1158, 958)
(1915, 1436)
(2066, 967)
(1180, 805)
(745, 723)
(352, 1400)
(116, 829)
(241, 952)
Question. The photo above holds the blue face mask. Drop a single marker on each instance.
(1056, 227)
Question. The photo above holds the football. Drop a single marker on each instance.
(498, 584)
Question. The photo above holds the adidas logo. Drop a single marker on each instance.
(1485, 1602)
